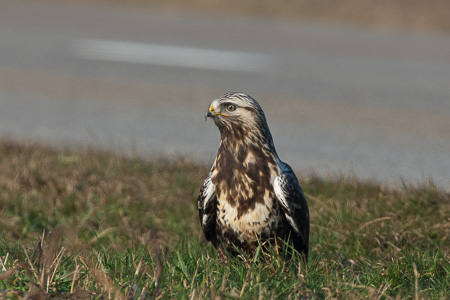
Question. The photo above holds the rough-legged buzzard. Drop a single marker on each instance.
(250, 194)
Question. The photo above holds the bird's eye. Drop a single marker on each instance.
(231, 107)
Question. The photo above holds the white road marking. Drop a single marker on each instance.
(168, 55)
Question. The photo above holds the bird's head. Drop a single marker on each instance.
(238, 116)
(234, 108)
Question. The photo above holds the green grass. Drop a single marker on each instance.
(96, 225)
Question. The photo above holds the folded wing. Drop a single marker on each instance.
(207, 205)
(290, 196)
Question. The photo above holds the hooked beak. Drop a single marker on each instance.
(210, 113)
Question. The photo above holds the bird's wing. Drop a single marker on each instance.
(207, 206)
(290, 196)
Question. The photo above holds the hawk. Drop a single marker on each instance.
(250, 194)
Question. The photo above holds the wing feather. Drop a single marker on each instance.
(290, 196)
(207, 209)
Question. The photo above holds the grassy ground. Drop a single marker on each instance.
(96, 225)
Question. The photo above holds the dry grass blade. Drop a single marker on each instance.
(106, 282)
(4, 262)
(383, 291)
(55, 265)
(75, 278)
(243, 288)
(30, 264)
(161, 257)
(416, 282)
(224, 285)
(144, 292)
(101, 234)
(133, 281)
(194, 276)
(372, 222)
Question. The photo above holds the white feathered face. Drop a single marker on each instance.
(235, 109)
(240, 120)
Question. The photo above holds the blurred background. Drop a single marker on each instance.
(349, 87)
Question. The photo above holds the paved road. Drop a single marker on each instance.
(338, 99)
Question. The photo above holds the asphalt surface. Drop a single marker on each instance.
(338, 99)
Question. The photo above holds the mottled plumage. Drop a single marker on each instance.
(250, 193)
